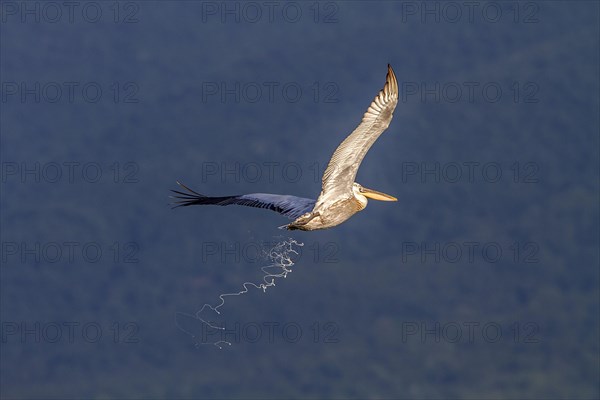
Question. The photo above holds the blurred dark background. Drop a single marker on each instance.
(480, 282)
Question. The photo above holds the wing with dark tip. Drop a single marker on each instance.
(343, 166)
(290, 206)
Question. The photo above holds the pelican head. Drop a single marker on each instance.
(361, 193)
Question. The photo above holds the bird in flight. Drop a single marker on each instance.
(340, 196)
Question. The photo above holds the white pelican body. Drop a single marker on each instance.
(340, 196)
(334, 211)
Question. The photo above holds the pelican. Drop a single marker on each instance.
(340, 196)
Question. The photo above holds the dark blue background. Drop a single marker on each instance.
(386, 291)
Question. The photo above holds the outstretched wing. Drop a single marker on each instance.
(343, 166)
(290, 206)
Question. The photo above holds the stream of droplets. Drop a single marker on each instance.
(280, 258)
